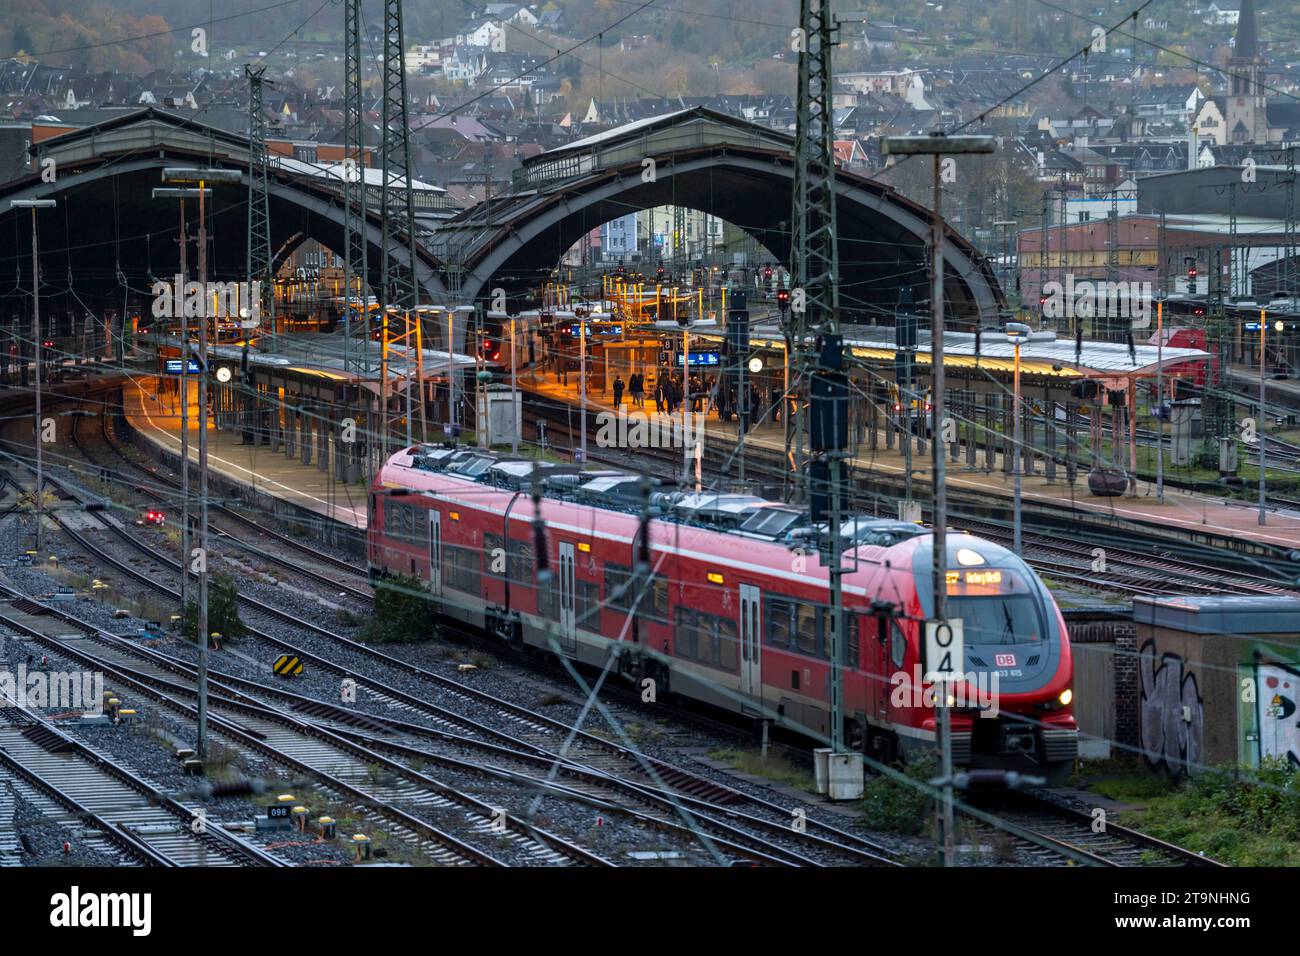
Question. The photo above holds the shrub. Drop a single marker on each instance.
(223, 610)
(899, 806)
(403, 612)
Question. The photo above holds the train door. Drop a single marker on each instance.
(568, 617)
(435, 551)
(877, 642)
(751, 651)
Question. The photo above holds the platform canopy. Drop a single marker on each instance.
(1054, 358)
(318, 355)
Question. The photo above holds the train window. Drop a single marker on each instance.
(898, 644)
(617, 593)
(706, 638)
(658, 606)
(586, 604)
(519, 562)
(493, 552)
(547, 606)
(849, 655)
(805, 628)
(1001, 619)
(726, 644)
(461, 568)
(400, 520)
(778, 622)
(684, 636)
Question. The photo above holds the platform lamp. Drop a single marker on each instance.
(201, 177)
(33, 205)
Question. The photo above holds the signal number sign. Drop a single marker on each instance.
(945, 652)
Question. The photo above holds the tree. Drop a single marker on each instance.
(22, 40)
(403, 612)
(679, 35)
(223, 611)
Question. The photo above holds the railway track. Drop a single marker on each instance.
(113, 809)
(599, 771)
(399, 797)
(1060, 835)
(317, 566)
(366, 593)
(676, 785)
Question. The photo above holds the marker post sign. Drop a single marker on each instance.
(945, 651)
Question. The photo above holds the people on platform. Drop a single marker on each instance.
(635, 388)
(618, 391)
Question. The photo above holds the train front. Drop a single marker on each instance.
(1013, 710)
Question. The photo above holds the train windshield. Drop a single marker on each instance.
(996, 606)
(999, 619)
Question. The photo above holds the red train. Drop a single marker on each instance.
(718, 598)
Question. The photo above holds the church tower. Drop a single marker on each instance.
(1247, 118)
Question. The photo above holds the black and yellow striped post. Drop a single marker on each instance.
(288, 665)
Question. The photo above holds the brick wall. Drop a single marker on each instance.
(1121, 635)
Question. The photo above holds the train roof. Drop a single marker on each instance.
(622, 491)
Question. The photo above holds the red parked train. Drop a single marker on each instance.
(720, 598)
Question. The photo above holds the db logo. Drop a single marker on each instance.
(1004, 660)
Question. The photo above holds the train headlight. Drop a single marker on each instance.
(1067, 695)
(968, 558)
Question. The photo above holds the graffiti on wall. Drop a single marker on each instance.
(1275, 703)
(1170, 713)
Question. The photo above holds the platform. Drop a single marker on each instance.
(1192, 513)
(156, 418)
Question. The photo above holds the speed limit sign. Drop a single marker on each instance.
(945, 654)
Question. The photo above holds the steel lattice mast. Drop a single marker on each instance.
(355, 265)
(398, 286)
(260, 266)
(815, 270)
(814, 262)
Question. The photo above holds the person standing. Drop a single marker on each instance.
(618, 391)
